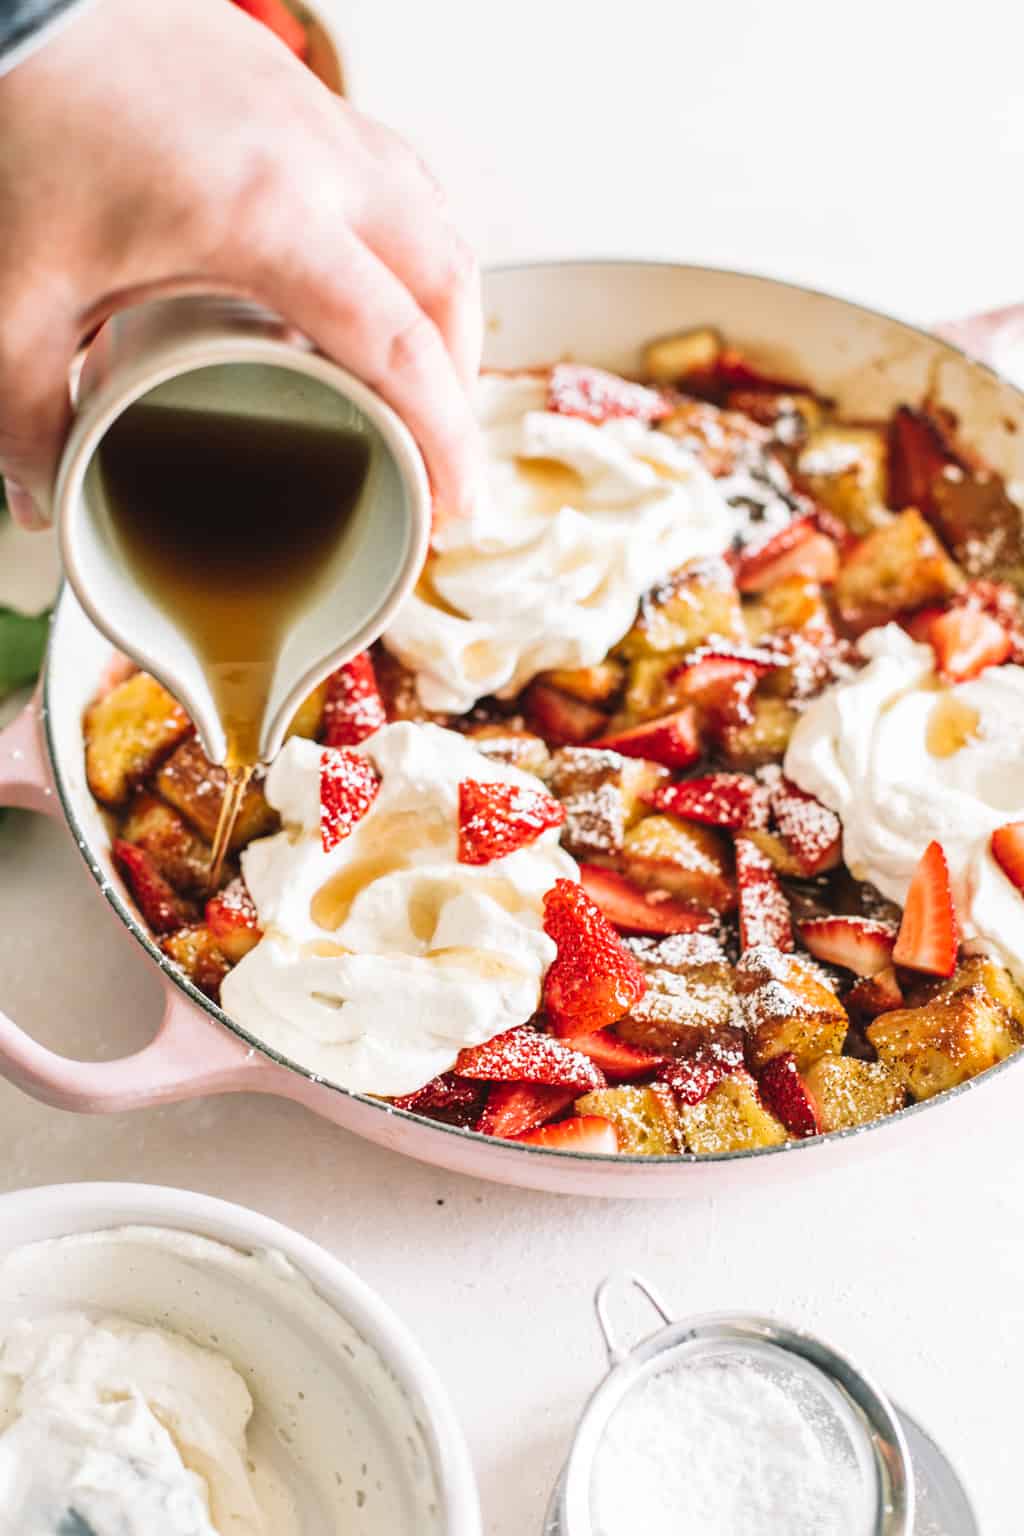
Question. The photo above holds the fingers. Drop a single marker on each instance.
(359, 313)
(34, 414)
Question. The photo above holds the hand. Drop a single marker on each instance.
(148, 146)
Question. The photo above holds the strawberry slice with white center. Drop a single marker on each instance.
(927, 940)
(785, 1093)
(764, 911)
(799, 549)
(722, 684)
(353, 708)
(633, 910)
(672, 740)
(810, 830)
(562, 721)
(495, 819)
(966, 641)
(524, 1055)
(348, 787)
(861, 944)
(618, 1060)
(1008, 851)
(513, 1108)
(232, 918)
(734, 800)
(583, 1133)
(876, 994)
(574, 389)
(595, 979)
(157, 900)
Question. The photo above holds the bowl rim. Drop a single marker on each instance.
(465, 1134)
(95, 1206)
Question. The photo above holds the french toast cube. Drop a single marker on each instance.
(308, 719)
(127, 732)
(594, 685)
(195, 951)
(849, 1092)
(512, 744)
(195, 787)
(646, 1119)
(671, 358)
(181, 857)
(786, 1006)
(602, 793)
(975, 971)
(979, 521)
(794, 604)
(731, 1119)
(690, 1004)
(776, 851)
(649, 691)
(696, 603)
(899, 567)
(946, 1041)
(791, 415)
(688, 860)
(847, 469)
(763, 739)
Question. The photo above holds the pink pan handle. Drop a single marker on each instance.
(995, 337)
(189, 1056)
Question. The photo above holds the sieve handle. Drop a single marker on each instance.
(617, 1352)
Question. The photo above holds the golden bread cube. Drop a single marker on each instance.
(763, 739)
(671, 358)
(591, 684)
(731, 1119)
(695, 604)
(787, 1006)
(646, 1119)
(849, 1092)
(690, 1002)
(946, 1041)
(181, 857)
(664, 853)
(127, 732)
(196, 952)
(513, 745)
(897, 568)
(601, 792)
(847, 470)
(195, 786)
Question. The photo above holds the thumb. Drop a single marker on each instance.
(35, 409)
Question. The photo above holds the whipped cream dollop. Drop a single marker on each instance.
(903, 759)
(575, 523)
(384, 957)
(126, 1430)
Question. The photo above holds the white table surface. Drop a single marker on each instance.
(875, 150)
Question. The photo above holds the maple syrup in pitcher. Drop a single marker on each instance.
(228, 523)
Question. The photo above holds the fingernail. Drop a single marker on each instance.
(23, 509)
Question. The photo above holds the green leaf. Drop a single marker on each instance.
(22, 643)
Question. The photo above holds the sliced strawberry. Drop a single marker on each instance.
(497, 818)
(917, 456)
(583, 1133)
(232, 918)
(672, 740)
(785, 1094)
(524, 1055)
(966, 641)
(633, 910)
(764, 910)
(1008, 851)
(447, 1092)
(160, 905)
(876, 994)
(927, 939)
(281, 21)
(348, 787)
(811, 832)
(619, 1061)
(722, 683)
(691, 1078)
(354, 708)
(799, 549)
(732, 800)
(919, 625)
(574, 389)
(561, 720)
(513, 1108)
(594, 979)
(861, 944)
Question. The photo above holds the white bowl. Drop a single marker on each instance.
(384, 1455)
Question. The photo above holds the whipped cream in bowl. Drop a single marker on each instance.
(576, 521)
(904, 759)
(208, 1373)
(381, 959)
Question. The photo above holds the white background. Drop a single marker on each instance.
(875, 149)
